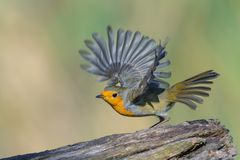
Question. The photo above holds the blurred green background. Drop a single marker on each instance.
(47, 101)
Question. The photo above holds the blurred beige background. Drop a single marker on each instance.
(47, 101)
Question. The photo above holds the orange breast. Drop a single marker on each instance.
(122, 110)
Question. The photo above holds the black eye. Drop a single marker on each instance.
(114, 95)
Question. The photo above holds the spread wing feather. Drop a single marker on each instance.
(132, 61)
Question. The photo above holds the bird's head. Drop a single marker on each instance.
(111, 95)
(114, 96)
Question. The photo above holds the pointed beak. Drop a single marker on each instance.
(99, 96)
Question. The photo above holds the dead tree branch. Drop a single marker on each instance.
(199, 139)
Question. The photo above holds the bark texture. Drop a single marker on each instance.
(199, 139)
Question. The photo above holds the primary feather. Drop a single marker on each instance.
(130, 59)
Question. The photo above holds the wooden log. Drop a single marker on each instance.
(199, 140)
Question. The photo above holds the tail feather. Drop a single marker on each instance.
(207, 75)
(197, 88)
(192, 90)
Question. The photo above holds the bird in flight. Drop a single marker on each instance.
(132, 65)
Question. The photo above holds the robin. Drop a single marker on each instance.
(132, 64)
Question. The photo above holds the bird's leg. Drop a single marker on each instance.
(162, 120)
